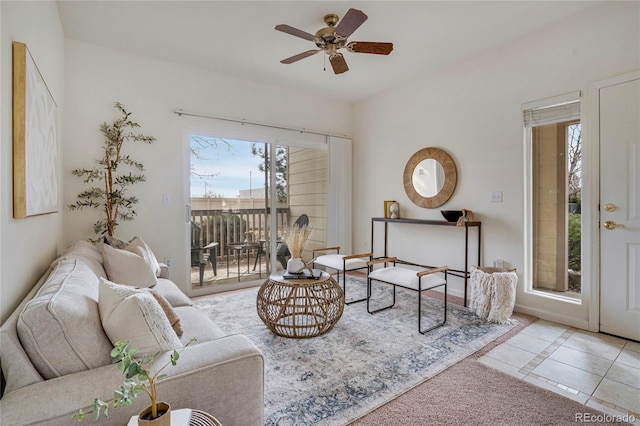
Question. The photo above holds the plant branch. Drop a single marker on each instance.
(112, 199)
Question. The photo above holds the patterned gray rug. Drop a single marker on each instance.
(363, 362)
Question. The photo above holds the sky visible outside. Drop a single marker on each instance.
(232, 163)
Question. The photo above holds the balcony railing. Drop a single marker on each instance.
(226, 226)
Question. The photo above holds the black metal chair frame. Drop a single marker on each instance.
(344, 269)
(419, 274)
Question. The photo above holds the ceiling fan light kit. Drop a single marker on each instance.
(334, 37)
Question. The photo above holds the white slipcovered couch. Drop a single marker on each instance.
(55, 357)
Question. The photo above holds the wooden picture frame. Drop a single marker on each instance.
(35, 139)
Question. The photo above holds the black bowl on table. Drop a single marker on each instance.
(451, 215)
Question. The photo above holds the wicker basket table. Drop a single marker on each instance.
(300, 308)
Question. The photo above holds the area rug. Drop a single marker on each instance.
(363, 362)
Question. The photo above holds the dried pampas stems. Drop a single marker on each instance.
(296, 237)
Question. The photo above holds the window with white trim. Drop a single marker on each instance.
(554, 157)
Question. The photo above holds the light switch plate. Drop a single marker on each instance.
(495, 196)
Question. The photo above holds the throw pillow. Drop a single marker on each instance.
(135, 315)
(134, 265)
(171, 314)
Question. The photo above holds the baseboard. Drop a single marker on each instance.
(553, 317)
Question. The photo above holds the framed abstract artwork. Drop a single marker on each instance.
(35, 139)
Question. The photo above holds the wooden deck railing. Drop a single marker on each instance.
(236, 225)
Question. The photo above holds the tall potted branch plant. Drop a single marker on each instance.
(114, 170)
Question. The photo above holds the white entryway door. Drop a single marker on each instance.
(619, 108)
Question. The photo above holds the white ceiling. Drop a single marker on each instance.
(237, 38)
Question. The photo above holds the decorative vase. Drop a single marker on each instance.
(162, 420)
(295, 265)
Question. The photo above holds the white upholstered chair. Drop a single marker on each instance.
(426, 278)
(342, 263)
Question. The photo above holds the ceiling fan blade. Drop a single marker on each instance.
(377, 48)
(295, 32)
(350, 22)
(299, 56)
(338, 63)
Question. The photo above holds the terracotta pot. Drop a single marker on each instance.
(163, 420)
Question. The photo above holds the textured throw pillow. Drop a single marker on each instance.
(134, 265)
(171, 314)
(135, 315)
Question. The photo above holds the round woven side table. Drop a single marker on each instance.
(300, 308)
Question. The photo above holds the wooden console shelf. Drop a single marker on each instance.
(465, 273)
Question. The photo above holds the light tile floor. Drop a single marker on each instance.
(597, 370)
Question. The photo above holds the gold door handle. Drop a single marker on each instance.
(612, 225)
(610, 207)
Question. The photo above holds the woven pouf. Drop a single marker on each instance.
(300, 308)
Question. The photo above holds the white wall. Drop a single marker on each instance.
(473, 110)
(152, 90)
(27, 246)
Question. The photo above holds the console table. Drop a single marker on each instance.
(465, 273)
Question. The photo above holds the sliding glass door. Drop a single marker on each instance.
(243, 196)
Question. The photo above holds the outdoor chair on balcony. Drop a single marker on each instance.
(426, 278)
(201, 255)
(342, 263)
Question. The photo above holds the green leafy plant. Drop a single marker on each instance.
(138, 378)
(111, 170)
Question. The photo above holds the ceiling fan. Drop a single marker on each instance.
(334, 37)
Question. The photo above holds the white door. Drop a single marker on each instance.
(620, 209)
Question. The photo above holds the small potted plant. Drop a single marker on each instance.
(158, 413)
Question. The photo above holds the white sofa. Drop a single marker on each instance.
(55, 355)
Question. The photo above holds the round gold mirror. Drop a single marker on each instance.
(430, 177)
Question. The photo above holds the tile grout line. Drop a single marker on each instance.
(555, 345)
(527, 372)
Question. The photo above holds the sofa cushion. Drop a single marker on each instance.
(195, 323)
(60, 327)
(88, 252)
(134, 314)
(172, 293)
(134, 265)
